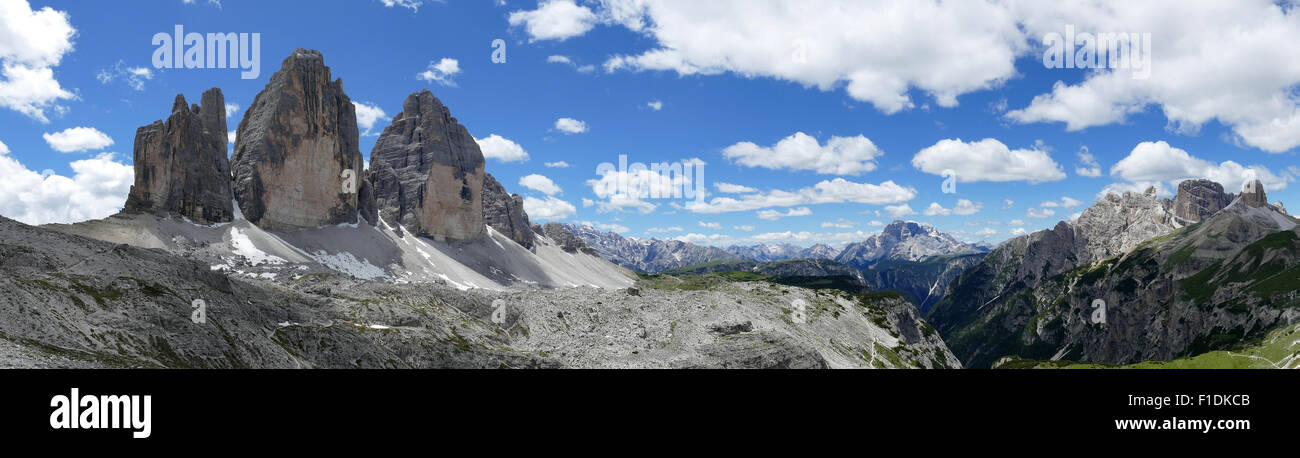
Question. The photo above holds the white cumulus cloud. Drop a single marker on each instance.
(554, 20)
(78, 139)
(31, 44)
(1040, 213)
(773, 215)
(548, 208)
(367, 116)
(964, 207)
(1210, 60)
(540, 184)
(1152, 162)
(413, 5)
(97, 189)
(1088, 165)
(942, 49)
(837, 190)
(987, 160)
(800, 151)
(503, 149)
(728, 188)
(570, 126)
(442, 72)
(899, 211)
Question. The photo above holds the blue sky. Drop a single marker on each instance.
(717, 79)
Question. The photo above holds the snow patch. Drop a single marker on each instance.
(347, 263)
(243, 246)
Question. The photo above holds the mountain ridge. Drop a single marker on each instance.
(900, 240)
(1156, 305)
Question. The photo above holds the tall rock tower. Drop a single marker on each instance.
(297, 163)
(1253, 194)
(181, 167)
(427, 172)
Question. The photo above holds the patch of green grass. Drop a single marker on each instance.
(879, 295)
(1180, 256)
(1283, 282)
(1198, 287)
(889, 355)
(1279, 349)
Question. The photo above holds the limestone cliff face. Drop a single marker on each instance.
(180, 165)
(504, 212)
(1118, 223)
(297, 163)
(1253, 194)
(427, 172)
(1198, 199)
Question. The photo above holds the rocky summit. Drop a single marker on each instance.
(180, 165)
(1198, 199)
(428, 172)
(903, 240)
(1117, 223)
(1253, 194)
(297, 163)
(504, 212)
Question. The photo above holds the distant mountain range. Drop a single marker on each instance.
(899, 241)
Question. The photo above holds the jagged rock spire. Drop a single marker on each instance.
(297, 163)
(180, 165)
(427, 172)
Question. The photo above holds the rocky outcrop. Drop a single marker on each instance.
(366, 202)
(1117, 223)
(1253, 194)
(180, 165)
(427, 172)
(1198, 199)
(504, 212)
(566, 240)
(297, 163)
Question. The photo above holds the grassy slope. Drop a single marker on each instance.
(1280, 349)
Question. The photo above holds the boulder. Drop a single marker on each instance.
(180, 165)
(297, 163)
(427, 172)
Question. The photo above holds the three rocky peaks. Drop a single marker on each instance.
(297, 164)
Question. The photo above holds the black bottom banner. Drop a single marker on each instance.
(227, 408)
